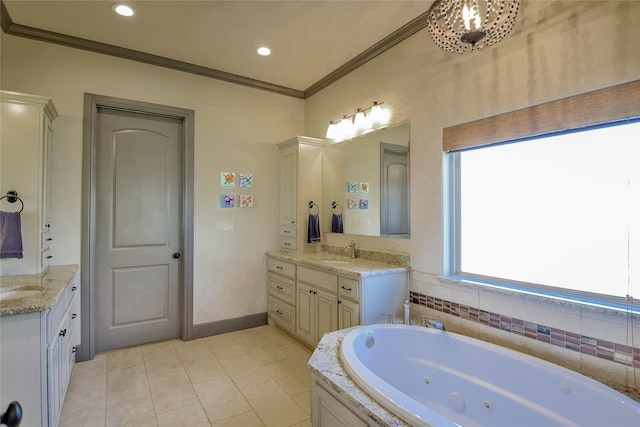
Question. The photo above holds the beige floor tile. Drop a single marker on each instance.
(224, 347)
(247, 419)
(201, 366)
(127, 414)
(274, 406)
(124, 358)
(298, 353)
(83, 412)
(220, 398)
(162, 364)
(191, 416)
(245, 371)
(128, 385)
(293, 378)
(172, 391)
(186, 347)
(255, 377)
(262, 351)
(304, 400)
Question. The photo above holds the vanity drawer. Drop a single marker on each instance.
(56, 315)
(282, 288)
(288, 243)
(318, 279)
(283, 314)
(349, 288)
(282, 267)
(288, 230)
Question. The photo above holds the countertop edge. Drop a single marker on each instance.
(54, 281)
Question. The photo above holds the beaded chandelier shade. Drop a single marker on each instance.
(461, 26)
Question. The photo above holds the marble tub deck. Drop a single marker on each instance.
(326, 366)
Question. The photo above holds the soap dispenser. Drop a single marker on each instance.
(407, 312)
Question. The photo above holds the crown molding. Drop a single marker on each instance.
(18, 30)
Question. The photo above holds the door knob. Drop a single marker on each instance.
(176, 255)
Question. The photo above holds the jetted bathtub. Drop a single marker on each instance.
(430, 377)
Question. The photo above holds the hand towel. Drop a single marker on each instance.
(336, 223)
(10, 235)
(313, 236)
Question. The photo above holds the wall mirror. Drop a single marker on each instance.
(368, 179)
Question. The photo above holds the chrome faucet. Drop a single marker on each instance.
(428, 322)
(352, 248)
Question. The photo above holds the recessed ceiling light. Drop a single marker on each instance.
(123, 10)
(264, 51)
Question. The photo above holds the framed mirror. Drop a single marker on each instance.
(368, 179)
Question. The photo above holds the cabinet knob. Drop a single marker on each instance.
(74, 288)
(280, 287)
(279, 267)
(49, 239)
(75, 348)
(346, 289)
(74, 315)
(63, 332)
(279, 312)
(339, 301)
(49, 256)
(176, 255)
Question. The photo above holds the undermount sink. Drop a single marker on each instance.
(20, 292)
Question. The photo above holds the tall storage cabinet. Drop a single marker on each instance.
(300, 183)
(26, 142)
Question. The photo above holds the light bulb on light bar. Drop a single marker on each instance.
(359, 123)
(123, 10)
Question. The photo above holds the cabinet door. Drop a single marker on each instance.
(46, 176)
(288, 185)
(306, 313)
(348, 314)
(327, 411)
(327, 314)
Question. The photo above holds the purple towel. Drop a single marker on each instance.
(10, 235)
(313, 235)
(336, 223)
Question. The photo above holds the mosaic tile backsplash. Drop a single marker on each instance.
(571, 341)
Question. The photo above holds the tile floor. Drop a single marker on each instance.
(255, 377)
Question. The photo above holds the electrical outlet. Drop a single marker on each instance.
(225, 225)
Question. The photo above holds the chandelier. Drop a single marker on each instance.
(460, 26)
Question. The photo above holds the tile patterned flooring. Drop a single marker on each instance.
(255, 377)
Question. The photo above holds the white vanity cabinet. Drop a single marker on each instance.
(300, 167)
(328, 409)
(37, 356)
(316, 304)
(282, 293)
(25, 166)
(308, 299)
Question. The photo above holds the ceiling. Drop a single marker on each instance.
(313, 43)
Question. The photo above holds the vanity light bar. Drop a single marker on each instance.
(358, 123)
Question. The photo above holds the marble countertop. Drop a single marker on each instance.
(326, 365)
(49, 286)
(357, 267)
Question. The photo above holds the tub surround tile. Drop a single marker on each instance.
(603, 349)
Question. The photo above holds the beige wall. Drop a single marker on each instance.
(236, 129)
(557, 49)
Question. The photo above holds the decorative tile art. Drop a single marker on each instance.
(352, 204)
(246, 180)
(227, 179)
(352, 187)
(364, 187)
(246, 200)
(227, 201)
(364, 204)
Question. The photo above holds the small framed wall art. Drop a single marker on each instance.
(227, 201)
(227, 179)
(246, 200)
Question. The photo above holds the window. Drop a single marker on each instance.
(556, 214)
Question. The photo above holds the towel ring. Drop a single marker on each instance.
(12, 197)
(311, 206)
(335, 205)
